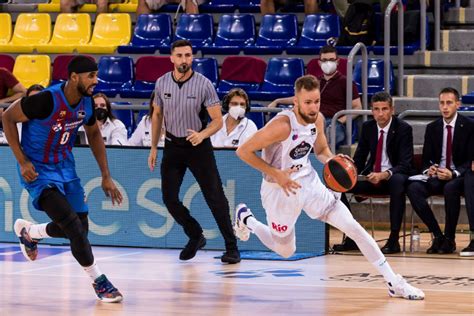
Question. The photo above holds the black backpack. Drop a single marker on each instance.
(357, 25)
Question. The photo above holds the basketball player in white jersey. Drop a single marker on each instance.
(291, 184)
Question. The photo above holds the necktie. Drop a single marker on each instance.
(378, 154)
(449, 146)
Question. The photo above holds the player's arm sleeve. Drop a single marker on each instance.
(38, 106)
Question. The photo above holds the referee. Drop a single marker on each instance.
(185, 99)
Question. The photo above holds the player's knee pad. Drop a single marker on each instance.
(71, 226)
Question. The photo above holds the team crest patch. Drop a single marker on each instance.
(300, 151)
(57, 127)
(81, 114)
(62, 114)
(313, 131)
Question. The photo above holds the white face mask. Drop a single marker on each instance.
(236, 112)
(329, 67)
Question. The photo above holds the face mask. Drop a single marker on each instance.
(237, 112)
(329, 67)
(100, 114)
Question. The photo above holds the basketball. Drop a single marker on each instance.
(340, 174)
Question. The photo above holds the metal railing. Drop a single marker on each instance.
(386, 49)
(437, 24)
(350, 114)
(423, 25)
(350, 64)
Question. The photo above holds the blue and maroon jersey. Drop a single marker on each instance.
(50, 140)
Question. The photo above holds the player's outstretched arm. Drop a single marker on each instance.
(321, 147)
(97, 146)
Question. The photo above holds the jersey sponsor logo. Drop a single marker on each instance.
(294, 137)
(300, 151)
(313, 131)
(57, 127)
(279, 228)
(167, 95)
(191, 97)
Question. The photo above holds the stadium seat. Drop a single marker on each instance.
(257, 117)
(317, 28)
(468, 98)
(126, 116)
(6, 29)
(375, 76)
(33, 69)
(233, 33)
(280, 78)
(115, 75)
(54, 6)
(152, 31)
(31, 29)
(7, 61)
(110, 31)
(128, 6)
(219, 6)
(197, 28)
(147, 70)
(241, 72)
(249, 6)
(207, 67)
(60, 73)
(70, 32)
(313, 68)
(277, 32)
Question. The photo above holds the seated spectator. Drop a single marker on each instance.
(72, 6)
(269, 6)
(142, 134)
(333, 93)
(236, 128)
(112, 129)
(9, 82)
(148, 6)
(34, 89)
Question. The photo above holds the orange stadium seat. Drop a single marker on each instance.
(33, 69)
(70, 31)
(110, 31)
(31, 29)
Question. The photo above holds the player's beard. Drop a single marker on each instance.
(308, 119)
(83, 90)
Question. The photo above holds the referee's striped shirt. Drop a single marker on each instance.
(182, 102)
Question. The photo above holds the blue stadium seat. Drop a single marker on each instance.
(219, 6)
(257, 117)
(147, 70)
(243, 72)
(249, 6)
(207, 67)
(468, 99)
(233, 33)
(152, 31)
(375, 74)
(317, 28)
(115, 75)
(280, 78)
(126, 116)
(197, 28)
(277, 32)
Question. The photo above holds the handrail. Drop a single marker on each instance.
(423, 25)
(349, 113)
(437, 24)
(386, 48)
(349, 77)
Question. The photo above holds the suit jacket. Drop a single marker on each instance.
(399, 147)
(461, 150)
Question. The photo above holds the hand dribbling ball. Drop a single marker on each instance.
(340, 174)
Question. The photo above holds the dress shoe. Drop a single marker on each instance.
(468, 251)
(435, 245)
(392, 246)
(347, 244)
(448, 246)
(231, 257)
(192, 247)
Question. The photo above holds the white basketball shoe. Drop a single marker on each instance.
(240, 229)
(28, 245)
(401, 288)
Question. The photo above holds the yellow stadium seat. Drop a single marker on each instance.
(110, 31)
(128, 6)
(53, 6)
(31, 29)
(6, 29)
(33, 69)
(70, 32)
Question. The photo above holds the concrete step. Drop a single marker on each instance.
(457, 40)
(460, 16)
(430, 85)
(440, 59)
(410, 103)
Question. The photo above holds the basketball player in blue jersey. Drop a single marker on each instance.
(291, 184)
(47, 169)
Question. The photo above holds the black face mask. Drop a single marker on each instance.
(101, 114)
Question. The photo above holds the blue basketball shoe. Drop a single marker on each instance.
(105, 291)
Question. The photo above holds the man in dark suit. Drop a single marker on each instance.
(446, 157)
(384, 155)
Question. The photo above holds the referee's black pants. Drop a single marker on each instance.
(178, 155)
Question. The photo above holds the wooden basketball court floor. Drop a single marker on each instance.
(155, 282)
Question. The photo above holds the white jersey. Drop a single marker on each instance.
(294, 151)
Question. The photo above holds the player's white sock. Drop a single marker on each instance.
(38, 231)
(385, 269)
(262, 231)
(93, 271)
